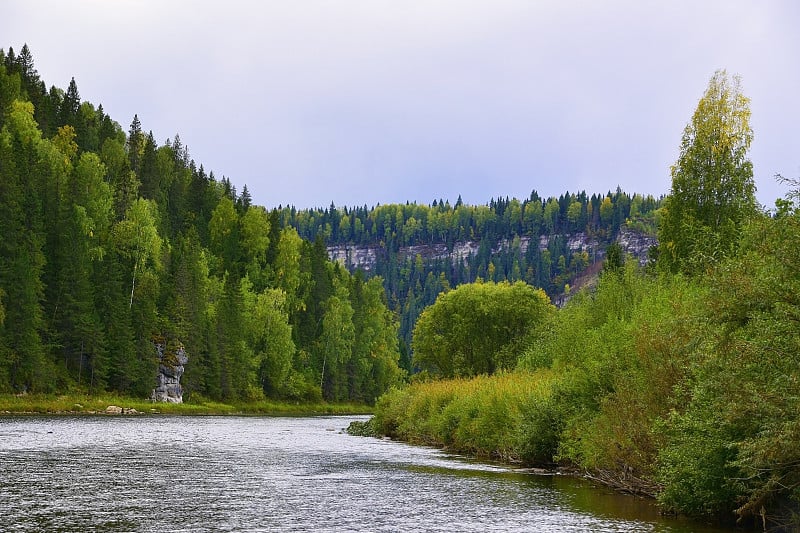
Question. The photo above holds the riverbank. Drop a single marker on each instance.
(89, 404)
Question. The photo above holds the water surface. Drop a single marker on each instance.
(161, 473)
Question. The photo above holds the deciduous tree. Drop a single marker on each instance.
(479, 328)
(713, 192)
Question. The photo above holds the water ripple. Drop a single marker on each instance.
(120, 474)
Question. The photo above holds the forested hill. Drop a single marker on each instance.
(113, 244)
(421, 250)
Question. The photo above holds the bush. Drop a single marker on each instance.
(482, 416)
(479, 328)
(302, 388)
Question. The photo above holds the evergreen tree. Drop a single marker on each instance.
(22, 354)
(135, 145)
(68, 113)
(85, 226)
(244, 200)
(187, 303)
(25, 63)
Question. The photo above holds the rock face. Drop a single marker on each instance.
(636, 244)
(170, 370)
(352, 256)
(355, 256)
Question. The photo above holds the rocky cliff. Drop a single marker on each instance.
(170, 369)
(634, 243)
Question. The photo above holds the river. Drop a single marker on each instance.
(163, 473)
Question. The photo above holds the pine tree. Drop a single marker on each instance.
(25, 62)
(149, 175)
(244, 199)
(22, 355)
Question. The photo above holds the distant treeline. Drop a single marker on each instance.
(412, 224)
(506, 232)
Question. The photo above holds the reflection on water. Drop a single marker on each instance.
(277, 474)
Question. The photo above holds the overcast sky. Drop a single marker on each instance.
(313, 102)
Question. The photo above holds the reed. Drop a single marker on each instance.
(486, 416)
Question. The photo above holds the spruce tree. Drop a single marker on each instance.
(135, 145)
(68, 114)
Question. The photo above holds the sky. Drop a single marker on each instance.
(314, 102)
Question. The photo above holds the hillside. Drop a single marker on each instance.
(368, 257)
(125, 265)
(123, 257)
(419, 251)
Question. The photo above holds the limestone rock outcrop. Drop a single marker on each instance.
(170, 369)
(365, 257)
(636, 244)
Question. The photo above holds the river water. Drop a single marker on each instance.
(161, 473)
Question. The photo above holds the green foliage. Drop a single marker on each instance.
(334, 346)
(23, 361)
(255, 242)
(676, 387)
(136, 239)
(112, 243)
(696, 466)
(506, 234)
(374, 362)
(79, 403)
(489, 416)
(269, 332)
(713, 192)
(615, 258)
(224, 232)
(362, 429)
(638, 335)
(479, 328)
(744, 398)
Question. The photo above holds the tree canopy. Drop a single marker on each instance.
(479, 328)
(113, 244)
(713, 192)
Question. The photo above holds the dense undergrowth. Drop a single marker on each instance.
(686, 389)
(485, 416)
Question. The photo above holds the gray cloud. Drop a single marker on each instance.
(377, 102)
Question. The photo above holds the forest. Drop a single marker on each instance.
(113, 244)
(109, 216)
(506, 240)
(676, 378)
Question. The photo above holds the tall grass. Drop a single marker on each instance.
(487, 416)
(86, 404)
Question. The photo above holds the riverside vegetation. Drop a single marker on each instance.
(680, 380)
(80, 404)
(677, 380)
